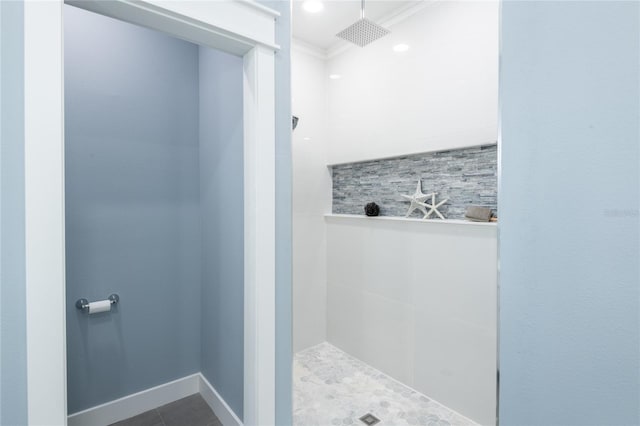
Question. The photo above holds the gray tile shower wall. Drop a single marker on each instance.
(465, 176)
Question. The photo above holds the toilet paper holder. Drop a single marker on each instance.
(83, 304)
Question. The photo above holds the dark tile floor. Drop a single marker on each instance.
(189, 411)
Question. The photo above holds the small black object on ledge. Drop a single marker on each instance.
(372, 209)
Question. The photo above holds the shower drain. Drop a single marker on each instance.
(369, 419)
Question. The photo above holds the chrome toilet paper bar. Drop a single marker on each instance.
(83, 304)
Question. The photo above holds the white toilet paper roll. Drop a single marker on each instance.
(99, 306)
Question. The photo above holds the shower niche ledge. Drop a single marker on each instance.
(355, 217)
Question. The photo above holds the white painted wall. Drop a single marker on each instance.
(44, 213)
(440, 94)
(311, 199)
(417, 300)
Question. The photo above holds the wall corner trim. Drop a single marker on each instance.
(136, 403)
(148, 399)
(219, 406)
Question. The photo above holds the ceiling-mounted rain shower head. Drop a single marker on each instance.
(363, 31)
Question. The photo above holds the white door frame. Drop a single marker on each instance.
(240, 27)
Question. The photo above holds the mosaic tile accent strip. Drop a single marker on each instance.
(331, 388)
(465, 176)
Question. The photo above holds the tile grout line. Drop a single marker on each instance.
(160, 415)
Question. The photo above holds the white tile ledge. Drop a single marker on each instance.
(332, 216)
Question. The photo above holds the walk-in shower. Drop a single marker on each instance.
(395, 317)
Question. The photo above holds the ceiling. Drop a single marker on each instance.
(319, 29)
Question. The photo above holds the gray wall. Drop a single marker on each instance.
(221, 194)
(132, 207)
(13, 353)
(569, 294)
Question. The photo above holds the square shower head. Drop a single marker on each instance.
(363, 32)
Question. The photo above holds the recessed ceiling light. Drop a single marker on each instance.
(313, 6)
(335, 76)
(401, 47)
(307, 138)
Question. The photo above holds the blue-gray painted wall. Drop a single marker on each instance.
(108, 333)
(13, 345)
(569, 223)
(284, 345)
(132, 207)
(222, 204)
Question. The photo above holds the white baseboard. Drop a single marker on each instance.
(224, 413)
(137, 403)
(148, 399)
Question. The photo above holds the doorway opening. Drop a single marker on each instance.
(395, 208)
(250, 36)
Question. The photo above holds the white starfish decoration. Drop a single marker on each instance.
(433, 206)
(417, 200)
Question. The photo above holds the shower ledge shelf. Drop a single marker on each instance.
(332, 216)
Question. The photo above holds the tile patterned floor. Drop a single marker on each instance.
(189, 411)
(331, 388)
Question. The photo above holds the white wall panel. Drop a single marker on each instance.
(417, 300)
(311, 200)
(440, 94)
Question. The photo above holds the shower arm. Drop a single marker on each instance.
(361, 9)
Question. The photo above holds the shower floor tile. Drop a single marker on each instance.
(189, 411)
(331, 388)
